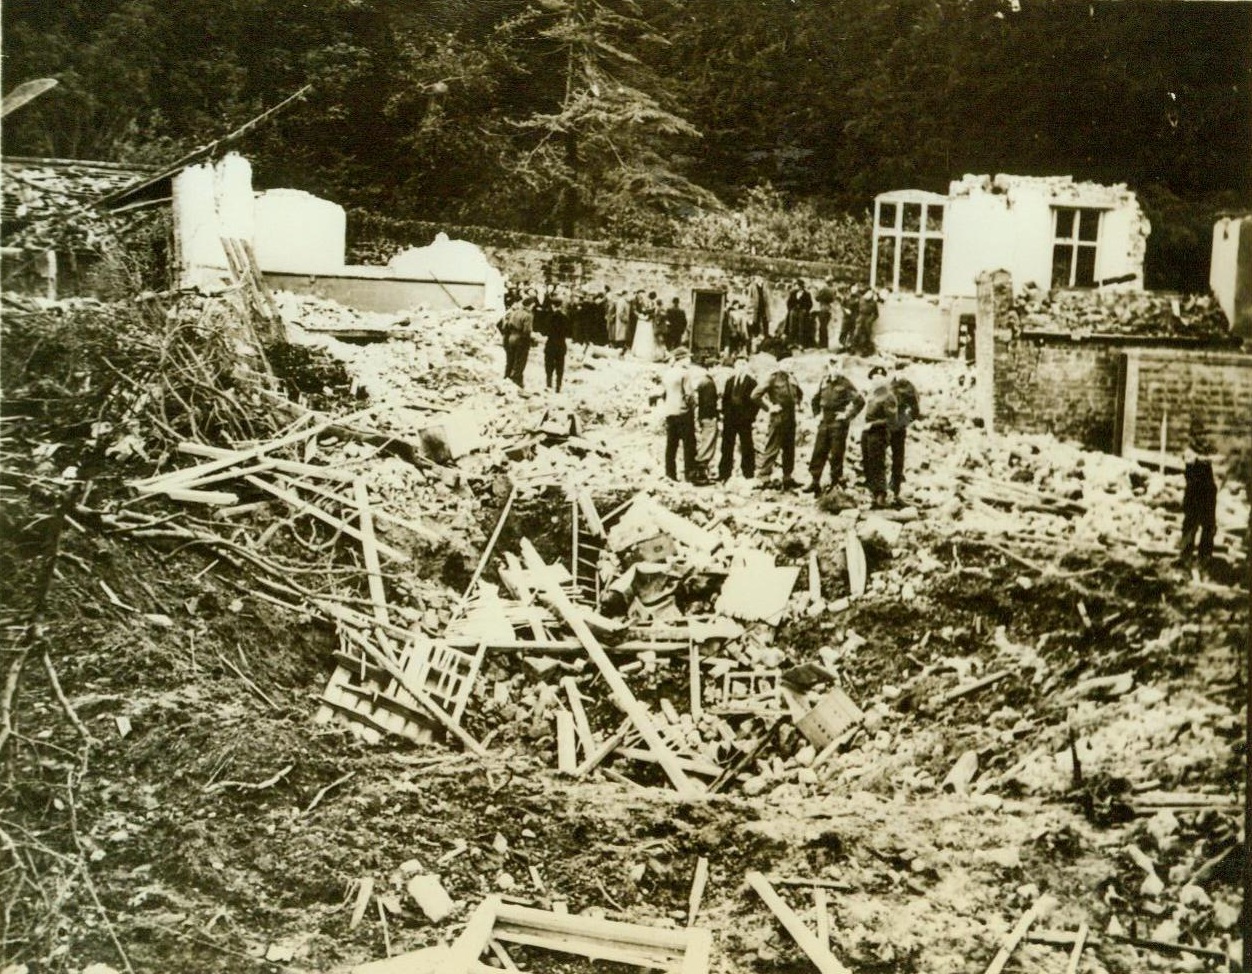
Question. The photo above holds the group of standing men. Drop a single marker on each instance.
(691, 405)
(812, 318)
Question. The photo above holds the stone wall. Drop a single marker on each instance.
(551, 260)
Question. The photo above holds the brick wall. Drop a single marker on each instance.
(1062, 387)
(1213, 390)
(1110, 395)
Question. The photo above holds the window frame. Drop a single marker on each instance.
(897, 233)
(1074, 242)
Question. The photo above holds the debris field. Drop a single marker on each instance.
(359, 658)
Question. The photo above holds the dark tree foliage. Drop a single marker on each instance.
(582, 115)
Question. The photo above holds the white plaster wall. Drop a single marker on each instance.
(1030, 213)
(211, 202)
(978, 236)
(987, 231)
(197, 241)
(1114, 258)
(1224, 264)
(299, 233)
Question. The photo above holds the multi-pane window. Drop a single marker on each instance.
(908, 243)
(1075, 239)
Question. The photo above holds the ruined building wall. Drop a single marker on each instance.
(1007, 222)
(1230, 271)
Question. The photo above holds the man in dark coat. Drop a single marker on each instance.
(866, 318)
(825, 297)
(675, 325)
(908, 410)
(784, 396)
(758, 308)
(799, 305)
(1199, 501)
(556, 345)
(835, 403)
(516, 329)
(738, 413)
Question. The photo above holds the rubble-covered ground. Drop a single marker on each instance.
(217, 827)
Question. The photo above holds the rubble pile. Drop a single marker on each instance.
(919, 735)
(50, 206)
(1143, 314)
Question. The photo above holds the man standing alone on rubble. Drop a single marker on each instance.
(738, 413)
(679, 415)
(908, 410)
(1199, 500)
(880, 419)
(784, 396)
(516, 329)
(835, 403)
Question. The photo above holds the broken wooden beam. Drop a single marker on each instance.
(638, 714)
(698, 882)
(1014, 938)
(817, 952)
(304, 507)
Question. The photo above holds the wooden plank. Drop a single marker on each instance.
(699, 950)
(592, 948)
(588, 507)
(304, 507)
(365, 889)
(219, 498)
(1075, 956)
(621, 691)
(815, 579)
(1013, 939)
(502, 955)
(286, 466)
(491, 544)
(693, 679)
(821, 918)
(698, 882)
(180, 477)
(566, 743)
(469, 946)
(369, 548)
(817, 952)
(583, 726)
(634, 934)
(592, 761)
(957, 692)
(213, 478)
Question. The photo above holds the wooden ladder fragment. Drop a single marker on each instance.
(678, 951)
